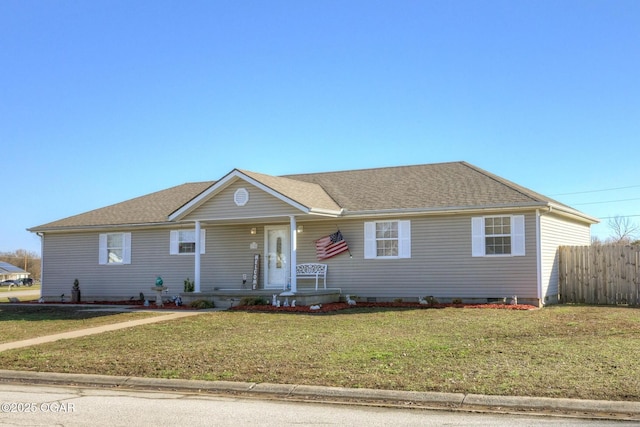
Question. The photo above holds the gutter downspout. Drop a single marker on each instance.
(294, 254)
(196, 274)
(41, 235)
(539, 258)
(539, 252)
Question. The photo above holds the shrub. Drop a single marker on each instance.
(189, 286)
(254, 301)
(201, 303)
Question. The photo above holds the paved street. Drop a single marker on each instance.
(38, 405)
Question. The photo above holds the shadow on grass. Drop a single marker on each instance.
(33, 313)
(332, 312)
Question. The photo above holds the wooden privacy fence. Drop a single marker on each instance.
(600, 275)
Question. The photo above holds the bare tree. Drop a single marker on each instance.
(623, 230)
(28, 261)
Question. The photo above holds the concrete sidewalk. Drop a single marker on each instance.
(619, 410)
(97, 330)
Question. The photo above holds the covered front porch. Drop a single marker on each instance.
(226, 298)
(277, 260)
(242, 220)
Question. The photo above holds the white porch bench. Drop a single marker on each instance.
(312, 271)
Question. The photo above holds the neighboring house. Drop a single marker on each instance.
(11, 272)
(448, 230)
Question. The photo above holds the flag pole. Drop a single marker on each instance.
(348, 250)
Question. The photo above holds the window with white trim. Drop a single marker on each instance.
(114, 248)
(387, 239)
(500, 235)
(184, 242)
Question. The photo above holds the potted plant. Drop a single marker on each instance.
(75, 291)
(189, 285)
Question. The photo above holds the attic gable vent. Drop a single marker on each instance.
(241, 196)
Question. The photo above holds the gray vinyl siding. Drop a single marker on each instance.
(260, 204)
(441, 264)
(556, 231)
(75, 255)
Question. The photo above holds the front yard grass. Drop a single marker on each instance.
(19, 288)
(5, 289)
(562, 351)
(21, 322)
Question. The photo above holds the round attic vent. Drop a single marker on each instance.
(241, 196)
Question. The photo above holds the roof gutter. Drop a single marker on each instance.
(40, 230)
(326, 212)
(547, 207)
(448, 210)
(569, 212)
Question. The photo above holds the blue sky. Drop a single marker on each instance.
(103, 101)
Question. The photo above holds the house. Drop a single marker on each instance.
(11, 272)
(447, 230)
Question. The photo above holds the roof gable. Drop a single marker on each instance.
(308, 197)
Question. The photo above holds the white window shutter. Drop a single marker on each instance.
(102, 249)
(370, 250)
(517, 235)
(477, 236)
(203, 244)
(173, 242)
(126, 248)
(404, 239)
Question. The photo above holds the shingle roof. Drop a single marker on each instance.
(149, 209)
(307, 193)
(431, 187)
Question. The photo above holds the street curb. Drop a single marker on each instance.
(442, 400)
(548, 403)
(454, 399)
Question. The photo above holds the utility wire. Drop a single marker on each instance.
(594, 191)
(607, 201)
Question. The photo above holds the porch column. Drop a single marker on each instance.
(196, 274)
(294, 254)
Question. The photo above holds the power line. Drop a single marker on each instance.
(618, 216)
(594, 191)
(607, 201)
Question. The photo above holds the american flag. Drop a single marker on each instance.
(331, 245)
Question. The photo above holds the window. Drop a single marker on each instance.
(115, 248)
(387, 239)
(184, 242)
(498, 235)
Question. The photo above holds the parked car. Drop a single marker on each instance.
(28, 281)
(10, 283)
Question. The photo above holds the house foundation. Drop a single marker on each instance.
(226, 298)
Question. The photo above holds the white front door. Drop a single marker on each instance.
(277, 259)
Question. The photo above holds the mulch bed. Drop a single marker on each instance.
(324, 308)
(137, 304)
(339, 306)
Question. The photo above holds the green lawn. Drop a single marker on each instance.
(5, 289)
(20, 288)
(563, 351)
(20, 322)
